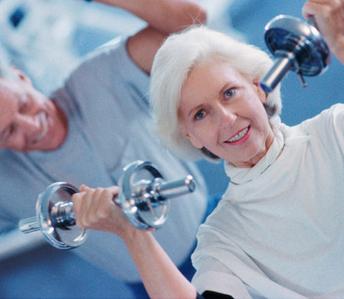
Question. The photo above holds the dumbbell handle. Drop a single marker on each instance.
(63, 217)
(312, 21)
(175, 188)
(159, 190)
(29, 225)
(277, 72)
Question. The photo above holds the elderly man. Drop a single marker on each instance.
(92, 127)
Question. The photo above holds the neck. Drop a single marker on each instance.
(253, 161)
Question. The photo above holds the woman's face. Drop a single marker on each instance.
(223, 111)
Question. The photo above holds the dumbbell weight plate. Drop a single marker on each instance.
(283, 32)
(141, 210)
(60, 230)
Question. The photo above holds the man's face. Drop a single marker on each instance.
(28, 120)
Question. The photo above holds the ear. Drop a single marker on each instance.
(193, 140)
(261, 93)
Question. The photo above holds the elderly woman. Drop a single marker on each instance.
(277, 231)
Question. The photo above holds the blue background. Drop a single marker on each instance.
(50, 273)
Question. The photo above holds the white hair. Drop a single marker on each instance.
(172, 65)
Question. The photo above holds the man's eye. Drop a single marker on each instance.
(9, 132)
(230, 92)
(199, 115)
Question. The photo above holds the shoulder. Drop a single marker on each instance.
(325, 130)
(108, 56)
(107, 70)
(330, 118)
(106, 64)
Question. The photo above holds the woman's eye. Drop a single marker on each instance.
(230, 92)
(199, 115)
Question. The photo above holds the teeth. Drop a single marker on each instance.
(238, 136)
(42, 119)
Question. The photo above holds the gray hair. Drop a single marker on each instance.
(172, 65)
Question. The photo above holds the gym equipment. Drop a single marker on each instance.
(297, 46)
(144, 199)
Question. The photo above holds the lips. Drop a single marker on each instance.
(43, 124)
(239, 137)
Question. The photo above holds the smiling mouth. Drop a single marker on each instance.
(44, 127)
(239, 137)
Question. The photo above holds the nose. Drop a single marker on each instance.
(227, 117)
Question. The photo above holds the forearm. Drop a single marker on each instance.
(166, 16)
(160, 276)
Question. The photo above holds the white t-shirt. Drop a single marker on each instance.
(278, 231)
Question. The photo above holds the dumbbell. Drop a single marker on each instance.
(144, 199)
(297, 46)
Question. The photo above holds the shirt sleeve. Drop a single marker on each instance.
(107, 69)
(122, 64)
(211, 275)
(213, 295)
(328, 126)
(337, 121)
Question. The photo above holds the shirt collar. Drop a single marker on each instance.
(240, 175)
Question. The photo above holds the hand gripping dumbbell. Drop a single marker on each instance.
(144, 199)
(297, 46)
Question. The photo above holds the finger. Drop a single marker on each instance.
(85, 207)
(114, 190)
(93, 201)
(77, 198)
(310, 9)
(104, 204)
(84, 187)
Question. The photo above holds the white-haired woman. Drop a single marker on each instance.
(277, 231)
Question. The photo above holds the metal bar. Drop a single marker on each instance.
(176, 188)
(277, 72)
(29, 225)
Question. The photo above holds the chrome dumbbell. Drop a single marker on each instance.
(144, 199)
(297, 46)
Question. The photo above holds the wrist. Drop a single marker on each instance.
(135, 236)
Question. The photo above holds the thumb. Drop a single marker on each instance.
(83, 187)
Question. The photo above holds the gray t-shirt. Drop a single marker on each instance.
(109, 126)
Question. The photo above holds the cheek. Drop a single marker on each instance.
(258, 112)
(207, 136)
(17, 142)
(197, 135)
(263, 127)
